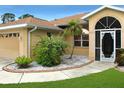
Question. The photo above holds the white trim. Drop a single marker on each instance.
(101, 8)
(27, 25)
(114, 52)
(85, 31)
(81, 41)
(108, 29)
(112, 23)
(13, 26)
(29, 46)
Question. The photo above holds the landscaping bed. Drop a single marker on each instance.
(76, 62)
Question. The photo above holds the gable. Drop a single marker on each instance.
(104, 13)
(113, 8)
(107, 12)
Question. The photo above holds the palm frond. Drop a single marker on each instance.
(73, 28)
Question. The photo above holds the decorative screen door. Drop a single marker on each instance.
(107, 46)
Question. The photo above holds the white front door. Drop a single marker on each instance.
(107, 46)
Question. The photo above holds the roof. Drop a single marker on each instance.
(65, 20)
(29, 21)
(101, 8)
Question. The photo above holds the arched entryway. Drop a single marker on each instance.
(107, 38)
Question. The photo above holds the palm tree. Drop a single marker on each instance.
(25, 16)
(8, 17)
(74, 28)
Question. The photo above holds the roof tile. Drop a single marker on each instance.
(29, 20)
(65, 20)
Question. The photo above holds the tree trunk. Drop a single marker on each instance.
(72, 52)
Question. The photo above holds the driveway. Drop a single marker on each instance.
(4, 62)
(8, 77)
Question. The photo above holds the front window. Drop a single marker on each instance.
(81, 40)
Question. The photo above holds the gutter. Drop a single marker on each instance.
(28, 25)
(29, 42)
(13, 26)
(45, 27)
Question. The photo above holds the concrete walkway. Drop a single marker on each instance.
(95, 67)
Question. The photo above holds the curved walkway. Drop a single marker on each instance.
(95, 67)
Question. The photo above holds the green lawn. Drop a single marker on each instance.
(110, 78)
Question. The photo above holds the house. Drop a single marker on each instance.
(103, 36)
(17, 38)
(105, 26)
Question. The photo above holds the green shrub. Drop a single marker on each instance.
(23, 61)
(48, 51)
(120, 57)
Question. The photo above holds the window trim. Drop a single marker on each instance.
(81, 41)
(9, 35)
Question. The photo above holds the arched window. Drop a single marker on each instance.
(108, 23)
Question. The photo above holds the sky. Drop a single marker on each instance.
(47, 12)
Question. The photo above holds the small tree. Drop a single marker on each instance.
(25, 16)
(74, 28)
(7, 17)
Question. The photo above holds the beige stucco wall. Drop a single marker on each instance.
(36, 35)
(92, 22)
(77, 50)
(13, 47)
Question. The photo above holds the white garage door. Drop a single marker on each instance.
(9, 45)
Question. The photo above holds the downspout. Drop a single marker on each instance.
(29, 37)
